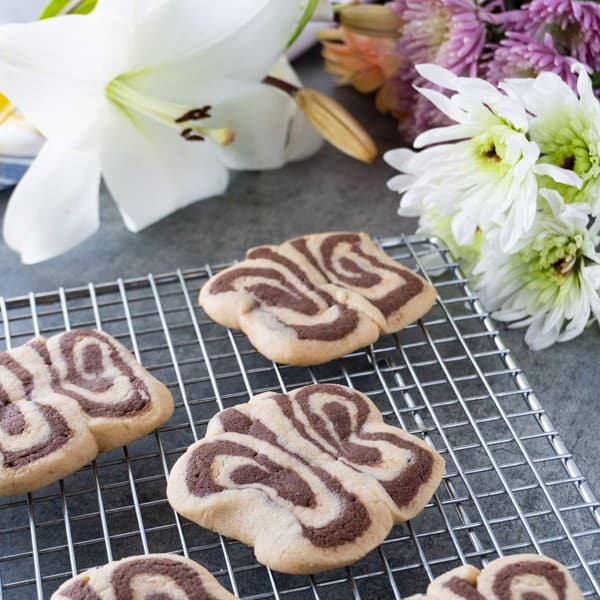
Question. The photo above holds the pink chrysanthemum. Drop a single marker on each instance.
(450, 33)
(519, 55)
(574, 26)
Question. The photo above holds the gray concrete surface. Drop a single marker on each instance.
(326, 192)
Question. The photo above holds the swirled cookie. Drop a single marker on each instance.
(316, 298)
(521, 576)
(313, 479)
(65, 399)
(153, 576)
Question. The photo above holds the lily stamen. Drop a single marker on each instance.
(170, 114)
(195, 114)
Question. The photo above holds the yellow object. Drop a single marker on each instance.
(7, 108)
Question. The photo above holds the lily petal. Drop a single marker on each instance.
(17, 139)
(151, 171)
(303, 139)
(55, 72)
(130, 11)
(269, 127)
(208, 42)
(324, 12)
(260, 117)
(61, 188)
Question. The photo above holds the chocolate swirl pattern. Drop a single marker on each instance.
(65, 399)
(517, 577)
(315, 298)
(312, 480)
(153, 577)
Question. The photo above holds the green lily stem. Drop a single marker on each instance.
(56, 8)
(309, 11)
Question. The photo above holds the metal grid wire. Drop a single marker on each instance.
(510, 483)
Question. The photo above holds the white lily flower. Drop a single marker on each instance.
(550, 284)
(19, 144)
(481, 171)
(566, 127)
(129, 92)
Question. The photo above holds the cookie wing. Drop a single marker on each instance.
(315, 298)
(65, 399)
(354, 262)
(457, 584)
(39, 442)
(518, 576)
(345, 425)
(527, 575)
(164, 576)
(302, 477)
(120, 400)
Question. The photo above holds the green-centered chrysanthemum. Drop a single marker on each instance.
(566, 127)
(434, 224)
(571, 142)
(550, 285)
(482, 169)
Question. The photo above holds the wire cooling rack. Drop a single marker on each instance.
(510, 483)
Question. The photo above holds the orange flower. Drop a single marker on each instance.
(367, 63)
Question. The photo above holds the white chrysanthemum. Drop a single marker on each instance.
(481, 171)
(550, 284)
(439, 227)
(566, 127)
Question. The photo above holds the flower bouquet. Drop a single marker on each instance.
(376, 48)
(512, 187)
(499, 99)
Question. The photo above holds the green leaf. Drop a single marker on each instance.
(84, 8)
(309, 11)
(596, 80)
(62, 7)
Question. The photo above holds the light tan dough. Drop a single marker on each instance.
(65, 399)
(527, 573)
(315, 298)
(134, 403)
(167, 576)
(508, 578)
(313, 480)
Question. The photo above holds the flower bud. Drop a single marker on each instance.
(370, 19)
(336, 125)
